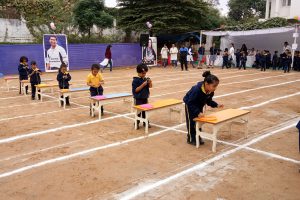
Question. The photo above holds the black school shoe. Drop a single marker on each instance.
(191, 142)
(144, 124)
(201, 141)
(138, 125)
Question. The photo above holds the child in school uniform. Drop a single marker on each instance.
(268, 59)
(286, 61)
(243, 60)
(257, 59)
(275, 60)
(23, 71)
(63, 78)
(238, 55)
(263, 60)
(140, 88)
(95, 81)
(35, 78)
(195, 99)
(297, 61)
(225, 59)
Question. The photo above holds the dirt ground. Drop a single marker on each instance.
(47, 152)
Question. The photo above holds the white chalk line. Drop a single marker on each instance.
(81, 153)
(39, 151)
(18, 137)
(268, 154)
(229, 94)
(123, 85)
(14, 138)
(40, 114)
(154, 96)
(12, 118)
(176, 79)
(149, 72)
(253, 89)
(15, 97)
(91, 150)
(169, 73)
(270, 101)
(134, 193)
(265, 153)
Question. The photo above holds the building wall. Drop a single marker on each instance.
(14, 30)
(285, 11)
(295, 9)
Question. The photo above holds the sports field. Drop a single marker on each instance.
(47, 152)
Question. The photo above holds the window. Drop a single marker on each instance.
(286, 2)
(283, 2)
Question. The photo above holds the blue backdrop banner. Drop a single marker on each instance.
(81, 56)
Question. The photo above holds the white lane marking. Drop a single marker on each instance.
(141, 190)
(39, 151)
(14, 138)
(91, 150)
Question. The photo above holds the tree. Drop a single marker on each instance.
(252, 25)
(39, 14)
(182, 15)
(88, 13)
(246, 9)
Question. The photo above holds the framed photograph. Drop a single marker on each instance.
(55, 51)
(149, 52)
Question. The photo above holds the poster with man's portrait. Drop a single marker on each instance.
(55, 51)
(150, 52)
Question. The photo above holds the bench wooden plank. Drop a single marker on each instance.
(160, 104)
(74, 90)
(223, 116)
(98, 101)
(10, 78)
(155, 106)
(110, 96)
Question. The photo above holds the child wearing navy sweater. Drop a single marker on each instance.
(286, 61)
(243, 60)
(35, 78)
(141, 88)
(195, 99)
(225, 59)
(275, 60)
(23, 71)
(238, 55)
(63, 78)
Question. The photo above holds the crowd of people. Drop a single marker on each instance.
(231, 57)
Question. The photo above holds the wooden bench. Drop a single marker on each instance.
(40, 88)
(64, 93)
(158, 105)
(228, 116)
(8, 79)
(25, 83)
(98, 101)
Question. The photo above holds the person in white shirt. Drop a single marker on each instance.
(286, 46)
(174, 53)
(164, 55)
(56, 55)
(231, 54)
(190, 56)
